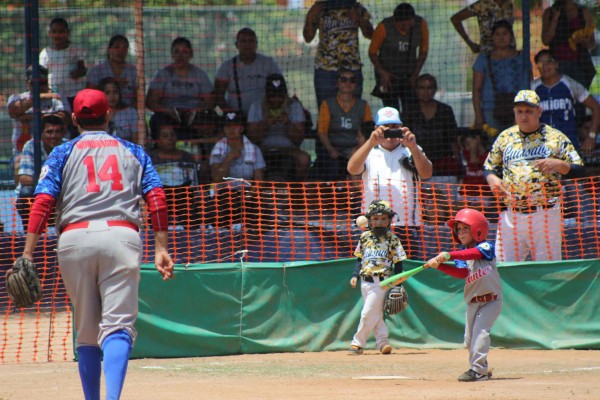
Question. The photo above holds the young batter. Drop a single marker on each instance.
(476, 263)
(377, 252)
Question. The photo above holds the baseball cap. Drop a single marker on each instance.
(234, 117)
(404, 11)
(528, 97)
(387, 115)
(90, 104)
(276, 84)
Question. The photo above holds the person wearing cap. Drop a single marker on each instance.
(53, 134)
(559, 95)
(338, 23)
(398, 52)
(235, 156)
(390, 168)
(277, 123)
(20, 108)
(340, 118)
(488, 12)
(524, 168)
(96, 182)
(240, 80)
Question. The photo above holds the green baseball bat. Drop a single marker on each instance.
(399, 278)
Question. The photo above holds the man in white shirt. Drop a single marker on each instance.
(391, 163)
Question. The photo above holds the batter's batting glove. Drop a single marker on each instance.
(22, 283)
(437, 260)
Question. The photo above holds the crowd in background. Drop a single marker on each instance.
(245, 124)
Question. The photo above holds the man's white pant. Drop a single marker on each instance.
(371, 316)
(538, 233)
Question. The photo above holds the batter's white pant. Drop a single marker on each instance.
(100, 266)
(479, 320)
(371, 316)
(538, 233)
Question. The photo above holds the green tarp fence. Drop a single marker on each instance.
(238, 308)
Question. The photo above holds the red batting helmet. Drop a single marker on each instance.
(476, 220)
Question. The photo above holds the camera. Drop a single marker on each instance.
(393, 133)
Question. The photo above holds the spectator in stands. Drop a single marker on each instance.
(276, 123)
(488, 12)
(338, 22)
(54, 130)
(495, 72)
(524, 167)
(116, 66)
(434, 125)
(559, 94)
(181, 90)
(235, 156)
(398, 52)
(123, 118)
(591, 159)
(390, 169)
(474, 189)
(65, 62)
(340, 118)
(20, 109)
(243, 77)
(234, 160)
(208, 131)
(568, 29)
(177, 171)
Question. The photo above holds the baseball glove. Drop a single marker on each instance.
(396, 300)
(22, 283)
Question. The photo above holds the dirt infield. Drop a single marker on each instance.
(420, 374)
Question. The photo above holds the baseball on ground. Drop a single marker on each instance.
(362, 221)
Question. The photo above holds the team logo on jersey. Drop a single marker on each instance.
(44, 172)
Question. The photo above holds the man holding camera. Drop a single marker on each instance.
(391, 162)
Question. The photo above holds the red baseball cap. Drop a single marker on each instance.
(90, 104)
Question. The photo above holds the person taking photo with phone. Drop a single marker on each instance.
(391, 162)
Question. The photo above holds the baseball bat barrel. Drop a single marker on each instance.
(399, 278)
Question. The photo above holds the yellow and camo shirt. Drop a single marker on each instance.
(338, 40)
(512, 158)
(379, 255)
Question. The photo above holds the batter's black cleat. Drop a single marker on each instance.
(472, 376)
(356, 351)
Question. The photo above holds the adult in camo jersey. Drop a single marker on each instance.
(338, 22)
(97, 181)
(531, 158)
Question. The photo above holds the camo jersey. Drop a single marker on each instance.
(488, 13)
(379, 255)
(338, 40)
(512, 158)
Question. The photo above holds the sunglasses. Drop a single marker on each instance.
(343, 79)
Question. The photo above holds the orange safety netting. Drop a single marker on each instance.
(270, 222)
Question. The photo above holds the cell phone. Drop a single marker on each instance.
(393, 133)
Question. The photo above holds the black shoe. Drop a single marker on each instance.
(472, 376)
(355, 350)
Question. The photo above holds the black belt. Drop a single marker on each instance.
(369, 278)
(484, 298)
(532, 209)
